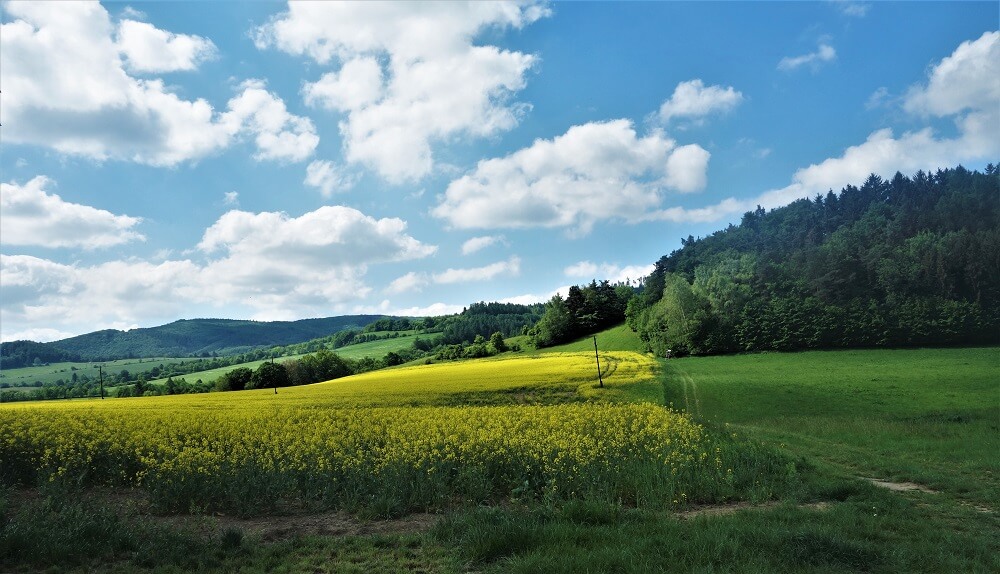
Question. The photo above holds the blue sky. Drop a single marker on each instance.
(273, 161)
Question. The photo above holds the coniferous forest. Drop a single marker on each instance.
(911, 261)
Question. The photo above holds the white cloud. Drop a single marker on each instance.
(358, 83)
(432, 310)
(31, 216)
(231, 198)
(65, 88)
(410, 74)
(39, 293)
(852, 8)
(411, 282)
(878, 98)
(968, 79)
(510, 267)
(612, 272)
(279, 135)
(130, 12)
(41, 335)
(582, 269)
(277, 265)
(532, 298)
(593, 172)
(148, 49)
(825, 53)
(687, 168)
(692, 100)
(478, 243)
(328, 177)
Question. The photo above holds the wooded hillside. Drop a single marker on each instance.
(912, 261)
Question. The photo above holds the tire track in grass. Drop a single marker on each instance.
(690, 397)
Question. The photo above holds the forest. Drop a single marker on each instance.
(910, 261)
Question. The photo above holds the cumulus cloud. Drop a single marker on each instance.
(277, 265)
(66, 88)
(409, 283)
(612, 272)
(510, 267)
(29, 215)
(279, 135)
(41, 335)
(825, 53)
(409, 75)
(358, 84)
(148, 49)
(692, 100)
(479, 243)
(328, 177)
(593, 172)
(968, 79)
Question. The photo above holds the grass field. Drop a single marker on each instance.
(55, 371)
(798, 430)
(929, 415)
(377, 349)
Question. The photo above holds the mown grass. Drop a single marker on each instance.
(931, 416)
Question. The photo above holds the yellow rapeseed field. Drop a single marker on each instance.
(349, 443)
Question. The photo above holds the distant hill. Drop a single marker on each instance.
(198, 337)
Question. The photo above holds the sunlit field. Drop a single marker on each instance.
(370, 442)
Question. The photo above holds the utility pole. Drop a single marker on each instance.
(600, 379)
(100, 372)
(275, 380)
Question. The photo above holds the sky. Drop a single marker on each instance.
(273, 161)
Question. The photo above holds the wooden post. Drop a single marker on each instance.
(600, 379)
(100, 373)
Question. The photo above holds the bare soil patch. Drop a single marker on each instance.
(726, 509)
(900, 486)
(282, 527)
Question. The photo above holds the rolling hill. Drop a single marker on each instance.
(203, 337)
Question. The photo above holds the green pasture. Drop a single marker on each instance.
(378, 349)
(54, 371)
(930, 416)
